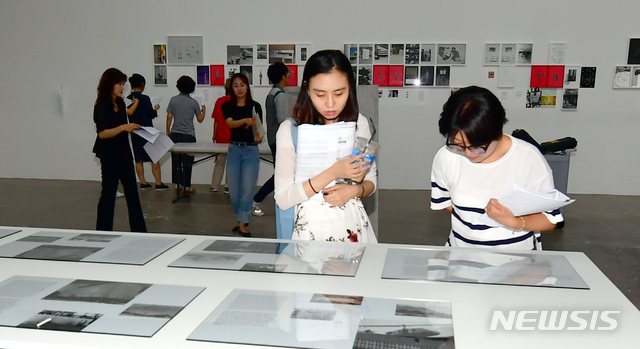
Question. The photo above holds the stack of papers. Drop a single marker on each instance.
(158, 143)
(523, 202)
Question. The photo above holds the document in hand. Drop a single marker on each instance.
(320, 146)
(148, 133)
(523, 202)
(158, 147)
(200, 98)
(155, 100)
(258, 127)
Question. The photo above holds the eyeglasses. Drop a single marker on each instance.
(457, 148)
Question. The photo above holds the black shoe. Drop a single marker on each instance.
(226, 190)
(145, 186)
(237, 228)
(245, 235)
(162, 186)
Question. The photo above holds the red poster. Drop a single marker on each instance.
(293, 79)
(555, 76)
(539, 75)
(217, 75)
(381, 75)
(396, 75)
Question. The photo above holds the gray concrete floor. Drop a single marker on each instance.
(604, 227)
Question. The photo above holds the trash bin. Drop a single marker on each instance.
(559, 163)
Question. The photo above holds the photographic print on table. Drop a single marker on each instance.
(365, 54)
(622, 76)
(380, 54)
(184, 50)
(202, 75)
(588, 77)
(239, 54)
(491, 54)
(508, 54)
(365, 74)
(261, 54)
(160, 74)
(285, 53)
(451, 54)
(570, 99)
(216, 73)
(411, 77)
(633, 56)
(572, 77)
(427, 75)
(381, 75)
(635, 77)
(160, 54)
(524, 54)
(427, 53)
(247, 70)
(555, 76)
(293, 79)
(443, 75)
(539, 75)
(351, 51)
(396, 55)
(411, 54)
(303, 52)
(396, 75)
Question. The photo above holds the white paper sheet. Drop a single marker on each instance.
(158, 148)
(259, 127)
(155, 100)
(523, 202)
(199, 98)
(148, 133)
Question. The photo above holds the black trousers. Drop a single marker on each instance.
(269, 185)
(117, 168)
(181, 164)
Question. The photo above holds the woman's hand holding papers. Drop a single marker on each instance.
(502, 214)
(349, 168)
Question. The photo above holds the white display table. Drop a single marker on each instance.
(472, 305)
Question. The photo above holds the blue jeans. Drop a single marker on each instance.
(243, 164)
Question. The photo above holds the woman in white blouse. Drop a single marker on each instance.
(327, 96)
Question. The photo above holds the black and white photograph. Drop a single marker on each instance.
(351, 51)
(303, 52)
(365, 75)
(451, 54)
(508, 54)
(524, 53)
(412, 54)
(285, 53)
(59, 320)
(572, 77)
(534, 98)
(411, 77)
(336, 299)
(264, 267)
(240, 54)
(365, 54)
(184, 50)
(160, 75)
(152, 311)
(427, 53)
(244, 246)
(396, 54)
(229, 70)
(443, 75)
(261, 54)
(491, 54)
(247, 70)
(106, 238)
(622, 76)
(635, 77)
(395, 333)
(588, 77)
(213, 259)
(313, 314)
(40, 239)
(59, 253)
(393, 94)
(427, 75)
(260, 77)
(633, 56)
(570, 99)
(381, 54)
(94, 291)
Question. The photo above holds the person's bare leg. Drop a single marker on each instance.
(140, 172)
(155, 169)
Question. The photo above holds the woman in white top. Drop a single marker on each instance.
(477, 165)
(327, 96)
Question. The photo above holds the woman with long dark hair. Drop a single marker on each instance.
(243, 158)
(327, 95)
(112, 147)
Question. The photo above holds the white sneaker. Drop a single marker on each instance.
(119, 194)
(257, 209)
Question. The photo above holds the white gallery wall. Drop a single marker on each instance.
(47, 46)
